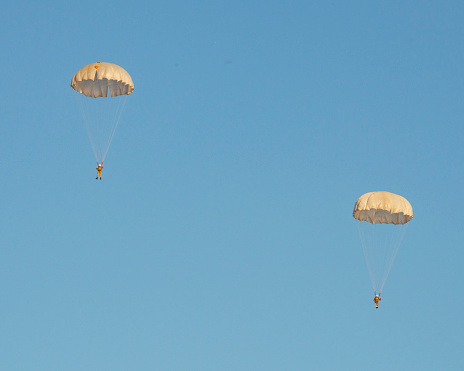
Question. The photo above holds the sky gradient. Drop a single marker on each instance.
(221, 236)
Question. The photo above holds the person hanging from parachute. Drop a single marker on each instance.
(387, 215)
(99, 170)
(103, 89)
(377, 299)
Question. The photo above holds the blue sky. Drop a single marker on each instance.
(221, 235)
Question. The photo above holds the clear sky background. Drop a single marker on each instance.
(221, 236)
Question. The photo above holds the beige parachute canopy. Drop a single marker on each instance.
(95, 79)
(383, 208)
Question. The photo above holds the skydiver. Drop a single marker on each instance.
(376, 300)
(99, 170)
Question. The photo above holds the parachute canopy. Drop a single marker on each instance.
(383, 208)
(95, 79)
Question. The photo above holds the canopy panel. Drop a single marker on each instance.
(95, 79)
(383, 208)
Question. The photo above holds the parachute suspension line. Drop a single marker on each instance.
(86, 122)
(101, 117)
(397, 238)
(115, 120)
(99, 123)
(380, 243)
(99, 109)
(365, 243)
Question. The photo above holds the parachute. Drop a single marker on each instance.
(384, 217)
(102, 111)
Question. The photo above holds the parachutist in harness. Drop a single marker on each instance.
(376, 300)
(99, 170)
